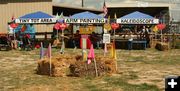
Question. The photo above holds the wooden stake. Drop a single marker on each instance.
(105, 49)
(50, 60)
(95, 67)
(50, 66)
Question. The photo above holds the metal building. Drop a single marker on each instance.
(18, 8)
(168, 11)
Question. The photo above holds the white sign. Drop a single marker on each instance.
(137, 21)
(70, 20)
(106, 38)
(36, 20)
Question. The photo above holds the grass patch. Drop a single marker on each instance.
(21, 74)
(120, 82)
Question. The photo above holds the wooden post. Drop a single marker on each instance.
(95, 67)
(50, 59)
(57, 35)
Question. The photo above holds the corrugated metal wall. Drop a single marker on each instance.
(19, 8)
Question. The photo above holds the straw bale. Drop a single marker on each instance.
(66, 64)
(105, 65)
(162, 46)
(59, 65)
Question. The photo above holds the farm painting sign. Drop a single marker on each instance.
(71, 20)
(36, 20)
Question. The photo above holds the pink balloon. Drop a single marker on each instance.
(63, 26)
(114, 26)
(13, 25)
(161, 26)
(56, 26)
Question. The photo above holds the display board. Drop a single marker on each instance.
(86, 29)
(37, 20)
(137, 21)
(106, 38)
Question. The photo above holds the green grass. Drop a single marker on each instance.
(120, 82)
(22, 75)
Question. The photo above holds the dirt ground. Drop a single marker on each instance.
(138, 70)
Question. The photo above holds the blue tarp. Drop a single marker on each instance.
(38, 14)
(85, 15)
(137, 15)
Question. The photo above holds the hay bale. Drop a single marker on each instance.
(109, 46)
(59, 65)
(105, 65)
(162, 46)
(66, 64)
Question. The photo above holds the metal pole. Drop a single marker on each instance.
(63, 41)
(161, 36)
(57, 35)
(14, 34)
(114, 35)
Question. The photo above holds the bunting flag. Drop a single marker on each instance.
(109, 18)
(91, 54)
(61, 16)
(57, 16)
(41, 51)
(105, 9)
(60, 19)
(113, 50)
(115, 17)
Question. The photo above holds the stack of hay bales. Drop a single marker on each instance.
(59, 65)
(162, 46)
(66, 64)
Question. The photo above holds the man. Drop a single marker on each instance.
(77, 38)
(95, 39)
(130, 39)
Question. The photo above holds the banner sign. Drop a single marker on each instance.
(137, 21)
(86, 30)
(70, 20)
(36, 20)
(106, 38)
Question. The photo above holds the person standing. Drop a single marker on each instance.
(76, 39)
(95, 39)
(130, 39)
